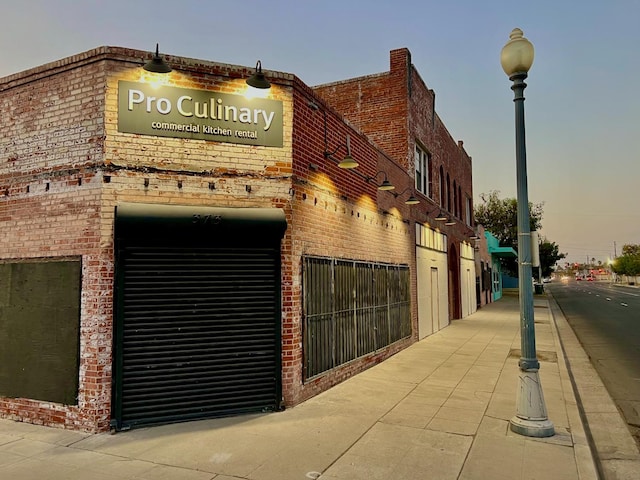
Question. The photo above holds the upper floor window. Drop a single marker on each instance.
(448, 193)
(442, 187)
(423, 171)
(456, 213)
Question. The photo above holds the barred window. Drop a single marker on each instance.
(351, 309)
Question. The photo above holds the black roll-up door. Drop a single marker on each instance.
(198, 315)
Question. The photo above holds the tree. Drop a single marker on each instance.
(500, 217)
(629, 262)
(631, 249)
(549, 256)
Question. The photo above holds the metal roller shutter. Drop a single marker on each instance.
(198, 327)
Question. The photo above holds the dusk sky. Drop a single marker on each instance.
(582, 101)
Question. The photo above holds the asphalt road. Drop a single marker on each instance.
(606, 320)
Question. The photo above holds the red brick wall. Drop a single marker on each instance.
(182, 171)
(396, 110)
(64, 168)
(377, 105)
(336, 213)
(50, 152)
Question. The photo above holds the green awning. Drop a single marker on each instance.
(503, 252)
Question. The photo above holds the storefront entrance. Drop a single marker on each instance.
(198, 313)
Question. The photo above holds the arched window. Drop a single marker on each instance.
(441, 186)
(455, 199)
(448, 193)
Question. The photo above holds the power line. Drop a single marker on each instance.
(586, 249)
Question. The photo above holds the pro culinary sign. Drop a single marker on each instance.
(199, 114)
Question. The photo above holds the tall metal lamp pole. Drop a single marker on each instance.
(531, 413)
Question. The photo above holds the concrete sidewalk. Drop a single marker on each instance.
(437, 410)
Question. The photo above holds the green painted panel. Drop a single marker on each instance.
(39, 330)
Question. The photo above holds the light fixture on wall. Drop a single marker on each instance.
(258, 80)
(157, 64)
(411, 200)
(449, 221)
(441, 217)
(348, 161)
(386, 185)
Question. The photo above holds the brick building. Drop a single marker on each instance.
(397, 111)
(484, 269)
(173, 249)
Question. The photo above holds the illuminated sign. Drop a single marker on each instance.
(198, 114)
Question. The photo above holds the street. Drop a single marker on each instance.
(606, 320)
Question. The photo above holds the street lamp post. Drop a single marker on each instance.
(531, 413)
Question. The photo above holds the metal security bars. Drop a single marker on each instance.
(351, 308)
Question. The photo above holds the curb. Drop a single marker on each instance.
(581, 428)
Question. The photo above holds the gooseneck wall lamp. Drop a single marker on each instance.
(441, 217)
(531, 413)
(386, 185)
(157, 64)
(348, 161)
(411, 200)
(258, 79)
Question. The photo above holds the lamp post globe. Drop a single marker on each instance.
(531, 413)
(517, 55)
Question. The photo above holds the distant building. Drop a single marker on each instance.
(497, 252)
(484, 268)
